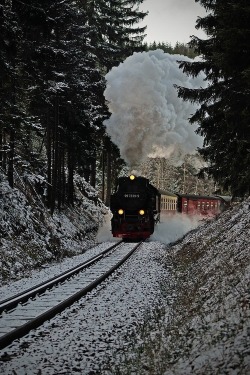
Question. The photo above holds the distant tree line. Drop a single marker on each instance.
(181, 178)
(179, 48)
(53, 59)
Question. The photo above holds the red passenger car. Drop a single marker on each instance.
(200, 204)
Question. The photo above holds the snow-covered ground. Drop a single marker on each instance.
(85, 336)
(175, 308)
(172, 309)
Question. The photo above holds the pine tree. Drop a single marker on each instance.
(52, 93)
(223, 116)
(53, 59)
(11, 114)
(113, 33)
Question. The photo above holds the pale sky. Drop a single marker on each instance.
(172, 20)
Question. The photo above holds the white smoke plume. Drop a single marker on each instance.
(147, 117)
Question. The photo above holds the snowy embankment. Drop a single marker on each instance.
(171, 310)
(202, 325)
(30, 237)
(210, 331)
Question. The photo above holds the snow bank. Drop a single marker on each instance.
(30, 236)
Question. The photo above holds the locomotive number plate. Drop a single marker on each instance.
(130, 195)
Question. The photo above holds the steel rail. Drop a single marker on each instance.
(11, 302)
(34, 323)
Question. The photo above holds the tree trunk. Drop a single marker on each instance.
(3, 152)
(108, 190)
(70, 182)
(93, 172)
(63, 177)
(103, 175)
(49, 164)
(55, 152)
(11, 158)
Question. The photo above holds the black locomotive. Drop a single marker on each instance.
(135, 207)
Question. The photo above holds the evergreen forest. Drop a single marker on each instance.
(54, 56)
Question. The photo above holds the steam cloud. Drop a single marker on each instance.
(147, 117)
(170, 229)
(173, 227)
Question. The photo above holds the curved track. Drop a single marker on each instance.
(33, 307)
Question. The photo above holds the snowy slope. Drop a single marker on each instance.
(30, 237)
(202, 325)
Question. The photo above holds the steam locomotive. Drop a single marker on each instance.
(135, 207)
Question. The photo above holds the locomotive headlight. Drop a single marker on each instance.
(132, 177)
(141, 212)
(120, 212)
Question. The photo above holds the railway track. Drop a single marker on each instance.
(30, 309)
